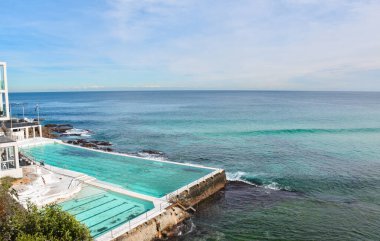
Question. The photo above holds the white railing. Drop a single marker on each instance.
(17, 136)
(131, 224)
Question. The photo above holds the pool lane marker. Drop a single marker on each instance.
(94, 207)
(85, 203)
(127, 210)
(102, 211)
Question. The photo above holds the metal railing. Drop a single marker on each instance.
(131, 224)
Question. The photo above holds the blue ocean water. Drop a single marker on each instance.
(302, 165)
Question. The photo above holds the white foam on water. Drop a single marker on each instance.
(75, 131)
(273, 186)
(186, 227)
(155, 157)
(238, 177)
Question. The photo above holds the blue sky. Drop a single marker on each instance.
(71, 45)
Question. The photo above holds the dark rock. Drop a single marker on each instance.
(74, 142)
(105, 148)
(152, 152)
(51, 125)
(95, 144)
(81, 141)
(62, 128)
(68, 125)
(90, 145)
(102, 143)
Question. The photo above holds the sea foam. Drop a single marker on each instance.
(239, 176)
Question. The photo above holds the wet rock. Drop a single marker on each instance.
(73, 142)
(102, 143)
(48, 133)
(62, 128)
(95, 144)
(90, 145)
(105, 148)
(99, 145)
(152, 152)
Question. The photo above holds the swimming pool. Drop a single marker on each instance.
(143, 176)
(102, 211)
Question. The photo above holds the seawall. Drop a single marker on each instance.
(200, 191)
(161, 225)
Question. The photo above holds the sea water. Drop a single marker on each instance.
(302, 165)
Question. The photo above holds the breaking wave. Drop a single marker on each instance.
(152, 155)
(240, 176)
(75, 132)
(273, 186)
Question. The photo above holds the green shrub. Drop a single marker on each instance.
(35, 237)
(49, 223)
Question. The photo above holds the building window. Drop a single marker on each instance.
(8, 160)
(3, 105)
(2, 77)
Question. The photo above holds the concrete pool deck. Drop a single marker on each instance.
(168, 210)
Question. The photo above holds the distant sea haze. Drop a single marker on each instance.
(302, 165)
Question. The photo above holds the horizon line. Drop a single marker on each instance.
(189, 90)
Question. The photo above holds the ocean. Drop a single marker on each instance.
(301, 165)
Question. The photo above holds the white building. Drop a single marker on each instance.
(9, 159)
(4, 102)
(12, 131)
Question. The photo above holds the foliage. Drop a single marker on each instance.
(35, 237)
(49, 223)
(6, 182)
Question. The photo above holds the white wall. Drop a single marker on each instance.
(16, 173)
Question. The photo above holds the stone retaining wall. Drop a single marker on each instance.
(201, 191)
(161, 225)
(155, 227)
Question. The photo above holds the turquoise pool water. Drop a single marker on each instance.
(139, 175)
(102, 211)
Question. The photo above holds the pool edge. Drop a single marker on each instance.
(168, 211)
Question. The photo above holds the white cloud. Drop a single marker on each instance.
(251, 43)
(243, 44)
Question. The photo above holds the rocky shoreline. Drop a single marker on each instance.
(63, 131)
(98, 145)
(59, 128)
(66, 130)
